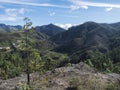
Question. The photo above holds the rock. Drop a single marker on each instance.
(83, 67)
(80, 67)
(114, 77)
(60, 78)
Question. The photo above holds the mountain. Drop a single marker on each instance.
(79, 40)
(49, 29)
(40, 36)
(8, 28)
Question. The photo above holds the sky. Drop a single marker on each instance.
(64, 13)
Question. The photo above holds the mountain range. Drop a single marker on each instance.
(78, 41)
(49, 30)
(8, 28)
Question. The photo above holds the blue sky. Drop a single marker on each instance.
(64, 13)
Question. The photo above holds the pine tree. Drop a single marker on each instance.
(27, 28)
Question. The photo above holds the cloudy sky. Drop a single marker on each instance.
(60, 12)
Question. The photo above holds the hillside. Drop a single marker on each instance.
(88, 36)
(10, 34)
(37, 39)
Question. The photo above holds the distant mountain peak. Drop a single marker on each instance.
(90, 23)
(50, 29)
(86, 26)
(51, 24)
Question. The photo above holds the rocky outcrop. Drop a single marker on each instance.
(12, 83)
(60, 78)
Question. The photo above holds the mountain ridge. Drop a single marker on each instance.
(49, 29)
(90, 36)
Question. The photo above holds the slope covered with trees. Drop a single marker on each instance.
(93, 43)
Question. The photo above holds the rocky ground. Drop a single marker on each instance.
(76, 77)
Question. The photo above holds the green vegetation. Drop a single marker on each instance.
(11, 65)
(54, 59)
(13, 62)
(91, 83)
(103, 62)
(32, 51)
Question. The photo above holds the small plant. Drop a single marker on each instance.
(113, 86)
(23, 87)
(87, 83)
(75, 82)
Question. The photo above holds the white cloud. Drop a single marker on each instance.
(32, 4)
(85, 4)
(85, 7)
(65, 26)
(75, 4)
(108, 9)
(51, 13)
(75, 7)
(22, 11)
(12, 14)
